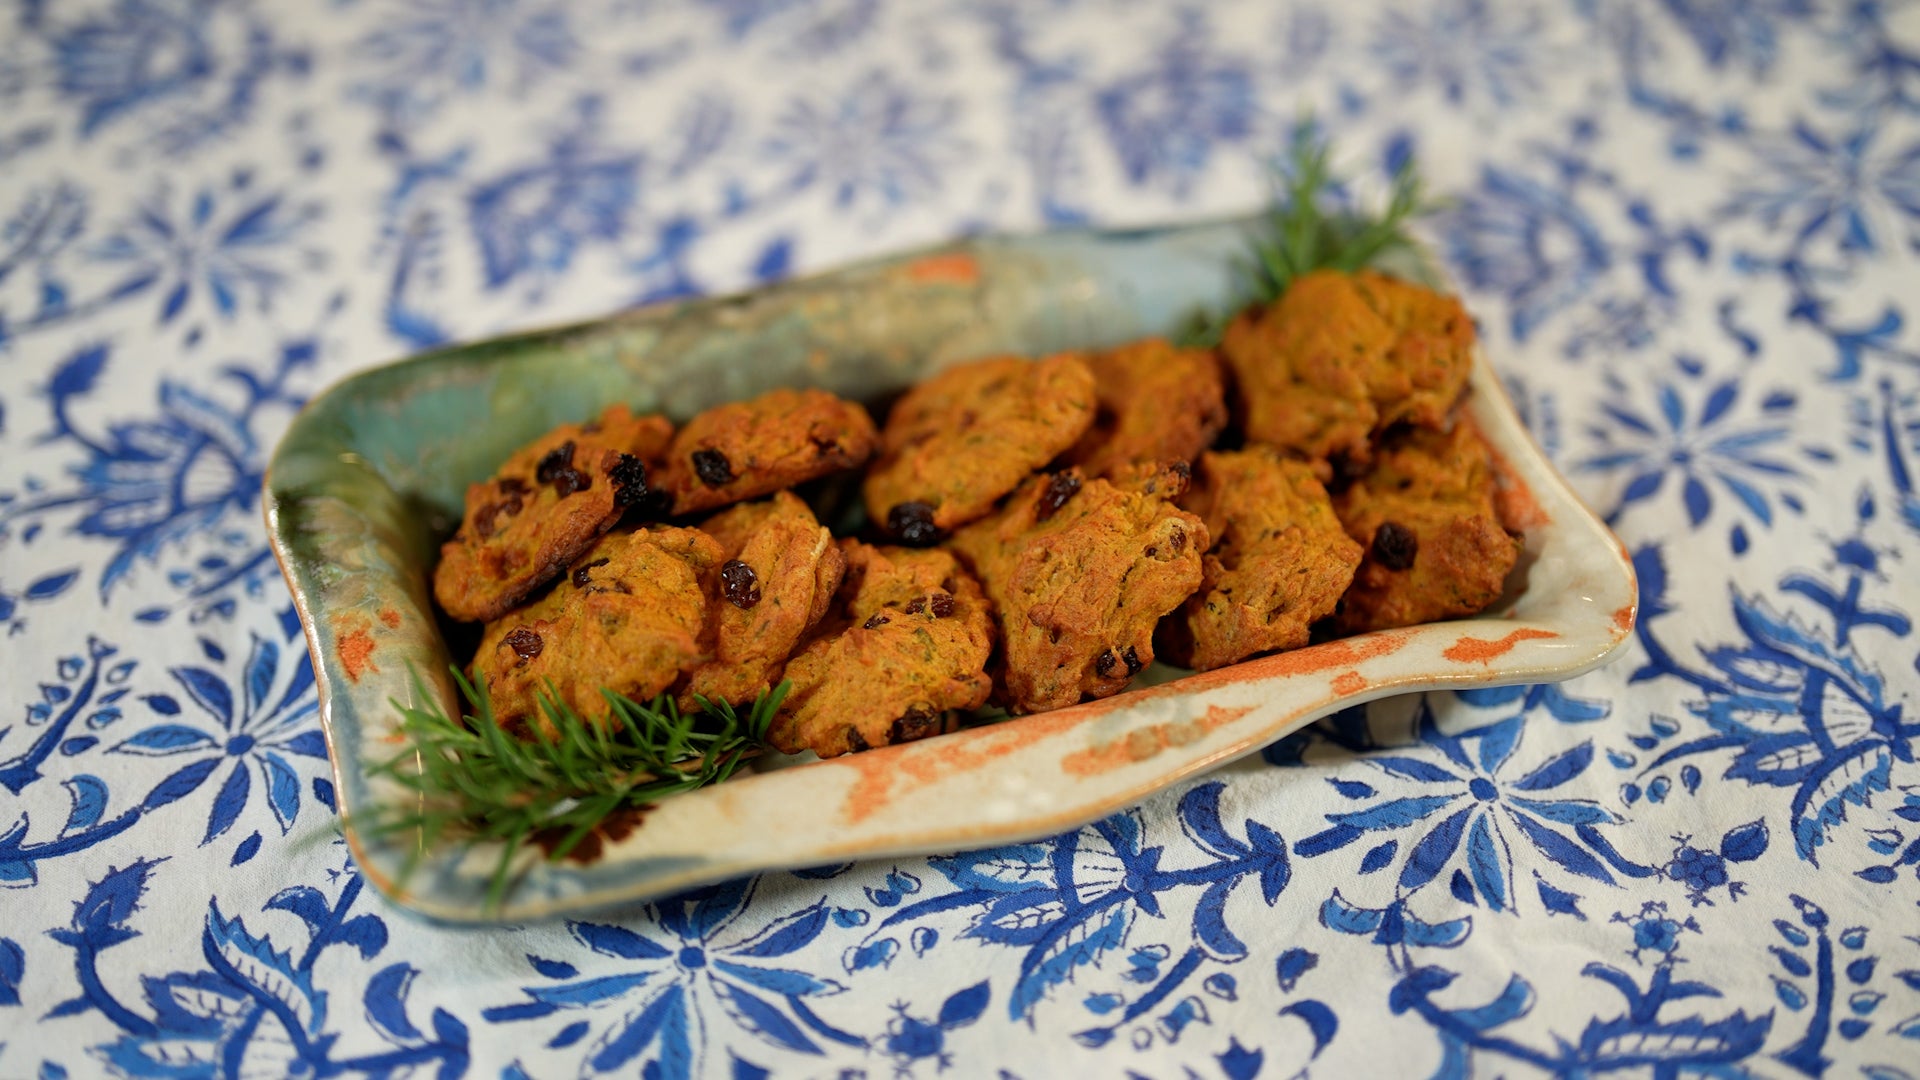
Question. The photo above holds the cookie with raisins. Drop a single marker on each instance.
(780, 571)
(1157, 403)
(906, 645)
(1280, 560)
(747, 449)
(1426, 519)
(1339, 358)
(632, 615)
(957, 442)
(549, 503)
(1079, 572)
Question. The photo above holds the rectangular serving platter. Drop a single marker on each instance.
(370, 476)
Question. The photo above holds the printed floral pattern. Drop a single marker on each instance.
(1687, 229)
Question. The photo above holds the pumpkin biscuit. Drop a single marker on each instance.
(1340, 357)
(631, 616)
(779, 576)
(1434, 545)
(747, 449)
(1280, 560)
(907, 645)
(957, 442)
(1156, 404)
(1079, 572)
(549, 503)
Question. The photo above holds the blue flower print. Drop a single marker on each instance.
(192, 68)
(701, 968)
(1738, 33)
(1836, 187)
(1165, 122)
(148, 485)
(1468, 47)
(255, 1009)
(1073, 900)
(532, 220)
(910, 1039)
(1531, 244)
(1639, 1039)
(223, 246)
(1693, 437)
(34, 236)
(1795, 707)
(877, 142)
(427, 51)
(1466, 800)
(260, 730)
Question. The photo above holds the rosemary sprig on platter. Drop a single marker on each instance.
(1305, 231)
(471, 782)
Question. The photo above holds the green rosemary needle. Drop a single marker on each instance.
(472, 783)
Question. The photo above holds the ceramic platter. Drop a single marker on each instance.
(370, 477)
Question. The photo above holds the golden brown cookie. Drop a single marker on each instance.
(1079, 572)
(1280, 560)
(1432, 351)
(1156, 404)
(631, 616)
(957, 442)
(1339, 357)
(780, 572)
(908, 645)
(1433, 542)
(549, 502)
(747, 449)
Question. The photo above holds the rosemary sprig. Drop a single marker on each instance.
(472, 783)
(1304, 232)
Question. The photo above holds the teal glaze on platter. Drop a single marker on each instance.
(371, 476)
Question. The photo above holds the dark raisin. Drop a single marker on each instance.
(916, 605)
(1177, 537)
(917, 723)
(1182, 472)
(857, 742)
(572, 480)
(558, 460)
(827, 445)
(1061, 486)
(486, 521)
(629, 476)
(1394, 546)
(713, 467)
(741, 584)
(580, 576)
(1132, 660)
(875, 621)
(513, 485)
(1103, 664)
(525, 643)
(941, 605)
(912, 523)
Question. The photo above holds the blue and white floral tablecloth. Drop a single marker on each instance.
(1689, 229)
